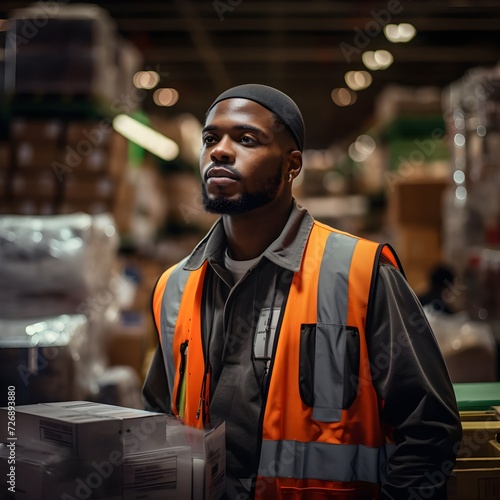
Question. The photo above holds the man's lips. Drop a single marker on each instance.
(220, 172)
(220, 177)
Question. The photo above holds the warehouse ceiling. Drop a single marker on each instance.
(201, 47)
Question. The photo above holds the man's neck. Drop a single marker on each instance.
(249, 234)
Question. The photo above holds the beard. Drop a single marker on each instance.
(247, 201)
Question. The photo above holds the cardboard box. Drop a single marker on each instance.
(477, 470)
(417, 202)
(478, 415)
(127, 341)
(77, 189)
(87, 207)
(419, 244)
(85, 429)
(31, 155)
(4, 184)
(95, 195)
(208, 449)
(209, 465)
(479, 439)
(46, 475)
(28, 206)
(73, 54)
(38, 185)
(94, 133)
(5, 158)
(91, 149)
(419, 249)
(475, 479)
(36, 131)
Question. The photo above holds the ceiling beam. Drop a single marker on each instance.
(206, 51)
(321, 25)
(334, 55)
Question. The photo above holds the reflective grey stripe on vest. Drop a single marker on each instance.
(330, 342)
(323, 461)
(170, 306)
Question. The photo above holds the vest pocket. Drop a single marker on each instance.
(306, 363)
(351, 366)
(328, 369)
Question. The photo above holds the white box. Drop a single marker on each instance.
(208, 449)
(46, 475)
(86, 429)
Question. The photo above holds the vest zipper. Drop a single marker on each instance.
(267, 380)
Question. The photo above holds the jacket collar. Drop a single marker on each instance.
(286, 251)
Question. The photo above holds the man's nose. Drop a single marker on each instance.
(223, 151)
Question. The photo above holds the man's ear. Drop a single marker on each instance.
(294, 164)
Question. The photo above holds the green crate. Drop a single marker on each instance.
(477, 396)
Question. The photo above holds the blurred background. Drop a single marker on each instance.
(101, 108)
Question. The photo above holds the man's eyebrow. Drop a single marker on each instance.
(249, 128)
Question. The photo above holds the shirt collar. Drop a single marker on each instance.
(286, 251)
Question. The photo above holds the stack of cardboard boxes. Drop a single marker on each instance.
(67, 74)
(476, 474)
(51, 166)
(81, 449)
(416, 220)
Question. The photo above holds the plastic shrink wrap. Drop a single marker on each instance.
(45, 359)
(57, 272)
(67, 257)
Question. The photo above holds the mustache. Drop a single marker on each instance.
(225, 166)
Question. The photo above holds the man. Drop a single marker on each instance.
(306, 341)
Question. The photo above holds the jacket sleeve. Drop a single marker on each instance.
(155, 393)
(410, 376)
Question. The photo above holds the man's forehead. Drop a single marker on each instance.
(240, 110)
(239, 104)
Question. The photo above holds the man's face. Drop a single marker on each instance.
(242, 160)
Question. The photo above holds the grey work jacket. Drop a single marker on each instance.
(403, 353)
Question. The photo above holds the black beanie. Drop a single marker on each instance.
(275, 101)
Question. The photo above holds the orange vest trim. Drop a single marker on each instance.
(158, 298)
(188, 328)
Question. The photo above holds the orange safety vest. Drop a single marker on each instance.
(335, 446)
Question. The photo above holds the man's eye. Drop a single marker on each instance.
(248, 140)
(209, 139)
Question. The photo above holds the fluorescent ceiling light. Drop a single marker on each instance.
(146, 137)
